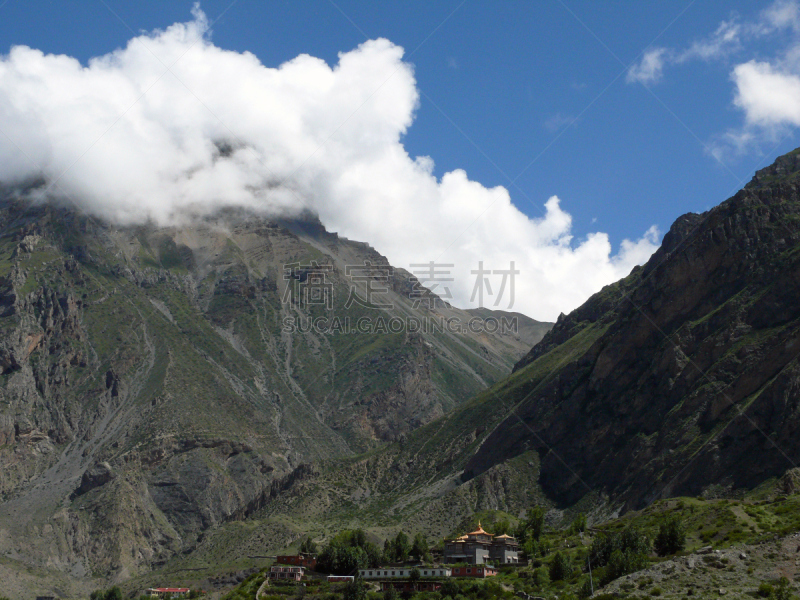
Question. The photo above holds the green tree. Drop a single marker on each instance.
(113, 593)
(308, 546)
(671, 536)
(501, 527)
(388, 551)
(765, 590)
(622, 562)
(783, 590)
(390, 594)
(355, 590)
(347, 552)
(578, 524)
(630, 540)
(560, 567)
(541, 576)
(449, 588)
(420, 548)
(533, 526)
(401, 547)
(414, 575)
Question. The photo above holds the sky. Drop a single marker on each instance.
(564, 136)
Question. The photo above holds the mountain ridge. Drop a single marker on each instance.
(151, 390)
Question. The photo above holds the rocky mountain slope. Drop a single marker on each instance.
(681, 379)
(158, 382)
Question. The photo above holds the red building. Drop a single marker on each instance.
(340, 578)
(473, 571)
(309, 561)
(164, 592)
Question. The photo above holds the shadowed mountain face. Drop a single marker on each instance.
(158, 382)
(682, 378)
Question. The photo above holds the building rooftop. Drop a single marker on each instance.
(479, 531)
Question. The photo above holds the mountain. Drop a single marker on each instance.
(158, 382)
(681, 379)
(153, 404)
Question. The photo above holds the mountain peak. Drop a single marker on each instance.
(784, 168)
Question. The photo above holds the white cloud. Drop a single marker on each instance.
(767, 91)
(725, 40)
(768, 96)
(650, 68)
(555, 122)
(130, 141)
(781, 14)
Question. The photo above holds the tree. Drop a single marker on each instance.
(501, 527)
(560, 567)
(671, 536)
(630, 540)
(622, 562)
(420, 548)
(620, 553)
(401, 547)
(355, 590)
(347, 552)
(390, 594)
(414, 575)
(308, 546)
(388, 551)
(783, 590)
(449, 588)
(578, 524)
(113, 593)
(532, 526)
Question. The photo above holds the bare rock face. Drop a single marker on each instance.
(790, 482)
(97, 475)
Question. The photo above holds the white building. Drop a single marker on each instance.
(402, 572)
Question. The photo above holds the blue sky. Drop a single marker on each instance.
(501, 83)
(536, 97)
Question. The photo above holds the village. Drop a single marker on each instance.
(476, 554)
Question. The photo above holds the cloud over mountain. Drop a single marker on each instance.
(172, 126)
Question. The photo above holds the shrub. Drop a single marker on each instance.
(541, 576)
(355, 590)
(671, 536)
(783, 590)
(578, 525)
(560, 567)
(621, 563)
(111, 594)
(765, 590)
(308, 546)
(391, 594)
(532, 526)
(629, 540)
